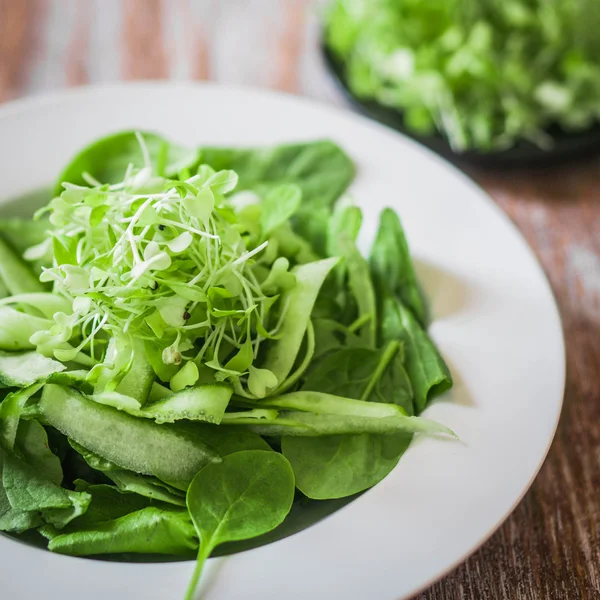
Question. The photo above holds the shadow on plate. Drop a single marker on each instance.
(447, 294)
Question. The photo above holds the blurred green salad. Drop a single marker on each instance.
(193, 349)
(483, 73)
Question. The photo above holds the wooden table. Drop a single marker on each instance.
(549, 549)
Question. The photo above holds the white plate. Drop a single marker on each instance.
(496, 323)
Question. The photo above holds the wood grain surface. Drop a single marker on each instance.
(549, 549)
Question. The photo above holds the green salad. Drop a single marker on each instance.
(193, 350)
(484, 73)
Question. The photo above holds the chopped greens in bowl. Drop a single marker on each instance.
(486, 75)
(193, 352)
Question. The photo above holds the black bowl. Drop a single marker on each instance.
(567, 145)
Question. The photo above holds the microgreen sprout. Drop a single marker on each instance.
(157, 258)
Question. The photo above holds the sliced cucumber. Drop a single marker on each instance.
(329, 404)
(16, 328)
(200, 403)
(46, 303)
(138, 381)
(20, 369)
(293, 423)
(165, 451)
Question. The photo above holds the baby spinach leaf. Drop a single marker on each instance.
(11, 519)
(335, 466)
(18, 277)
(146, 486)
(429, 374)
(346, 222)
(28, 490)
(107, 503)
(10, 414)
(392, 265)
(246, 495)
(368, 374)
(359, 281)
(21, 234)
(151, 530)
(279, 204)
(32, 443)
(106, 159)
(320, 169)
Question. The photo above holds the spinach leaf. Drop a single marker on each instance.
(279, 204)
(10, 414)
(359, 281)
(392, 265)
(32, 443)
(429, 374)
(21, 234)
(151, 530)
(28, 490)
(365, 374)
(11, 519)
(346, 222)
(17, 276)
(246, 495)
(146, 486)
(329, 336)
(107, 503)
(107, 159)
(320, 169)
(335, 466)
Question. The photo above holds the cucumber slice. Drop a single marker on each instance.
(165, 451)
(16, 328)
(47, 303)
(201, 403)
(20, 369)
(296, 423)
(138, 381)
